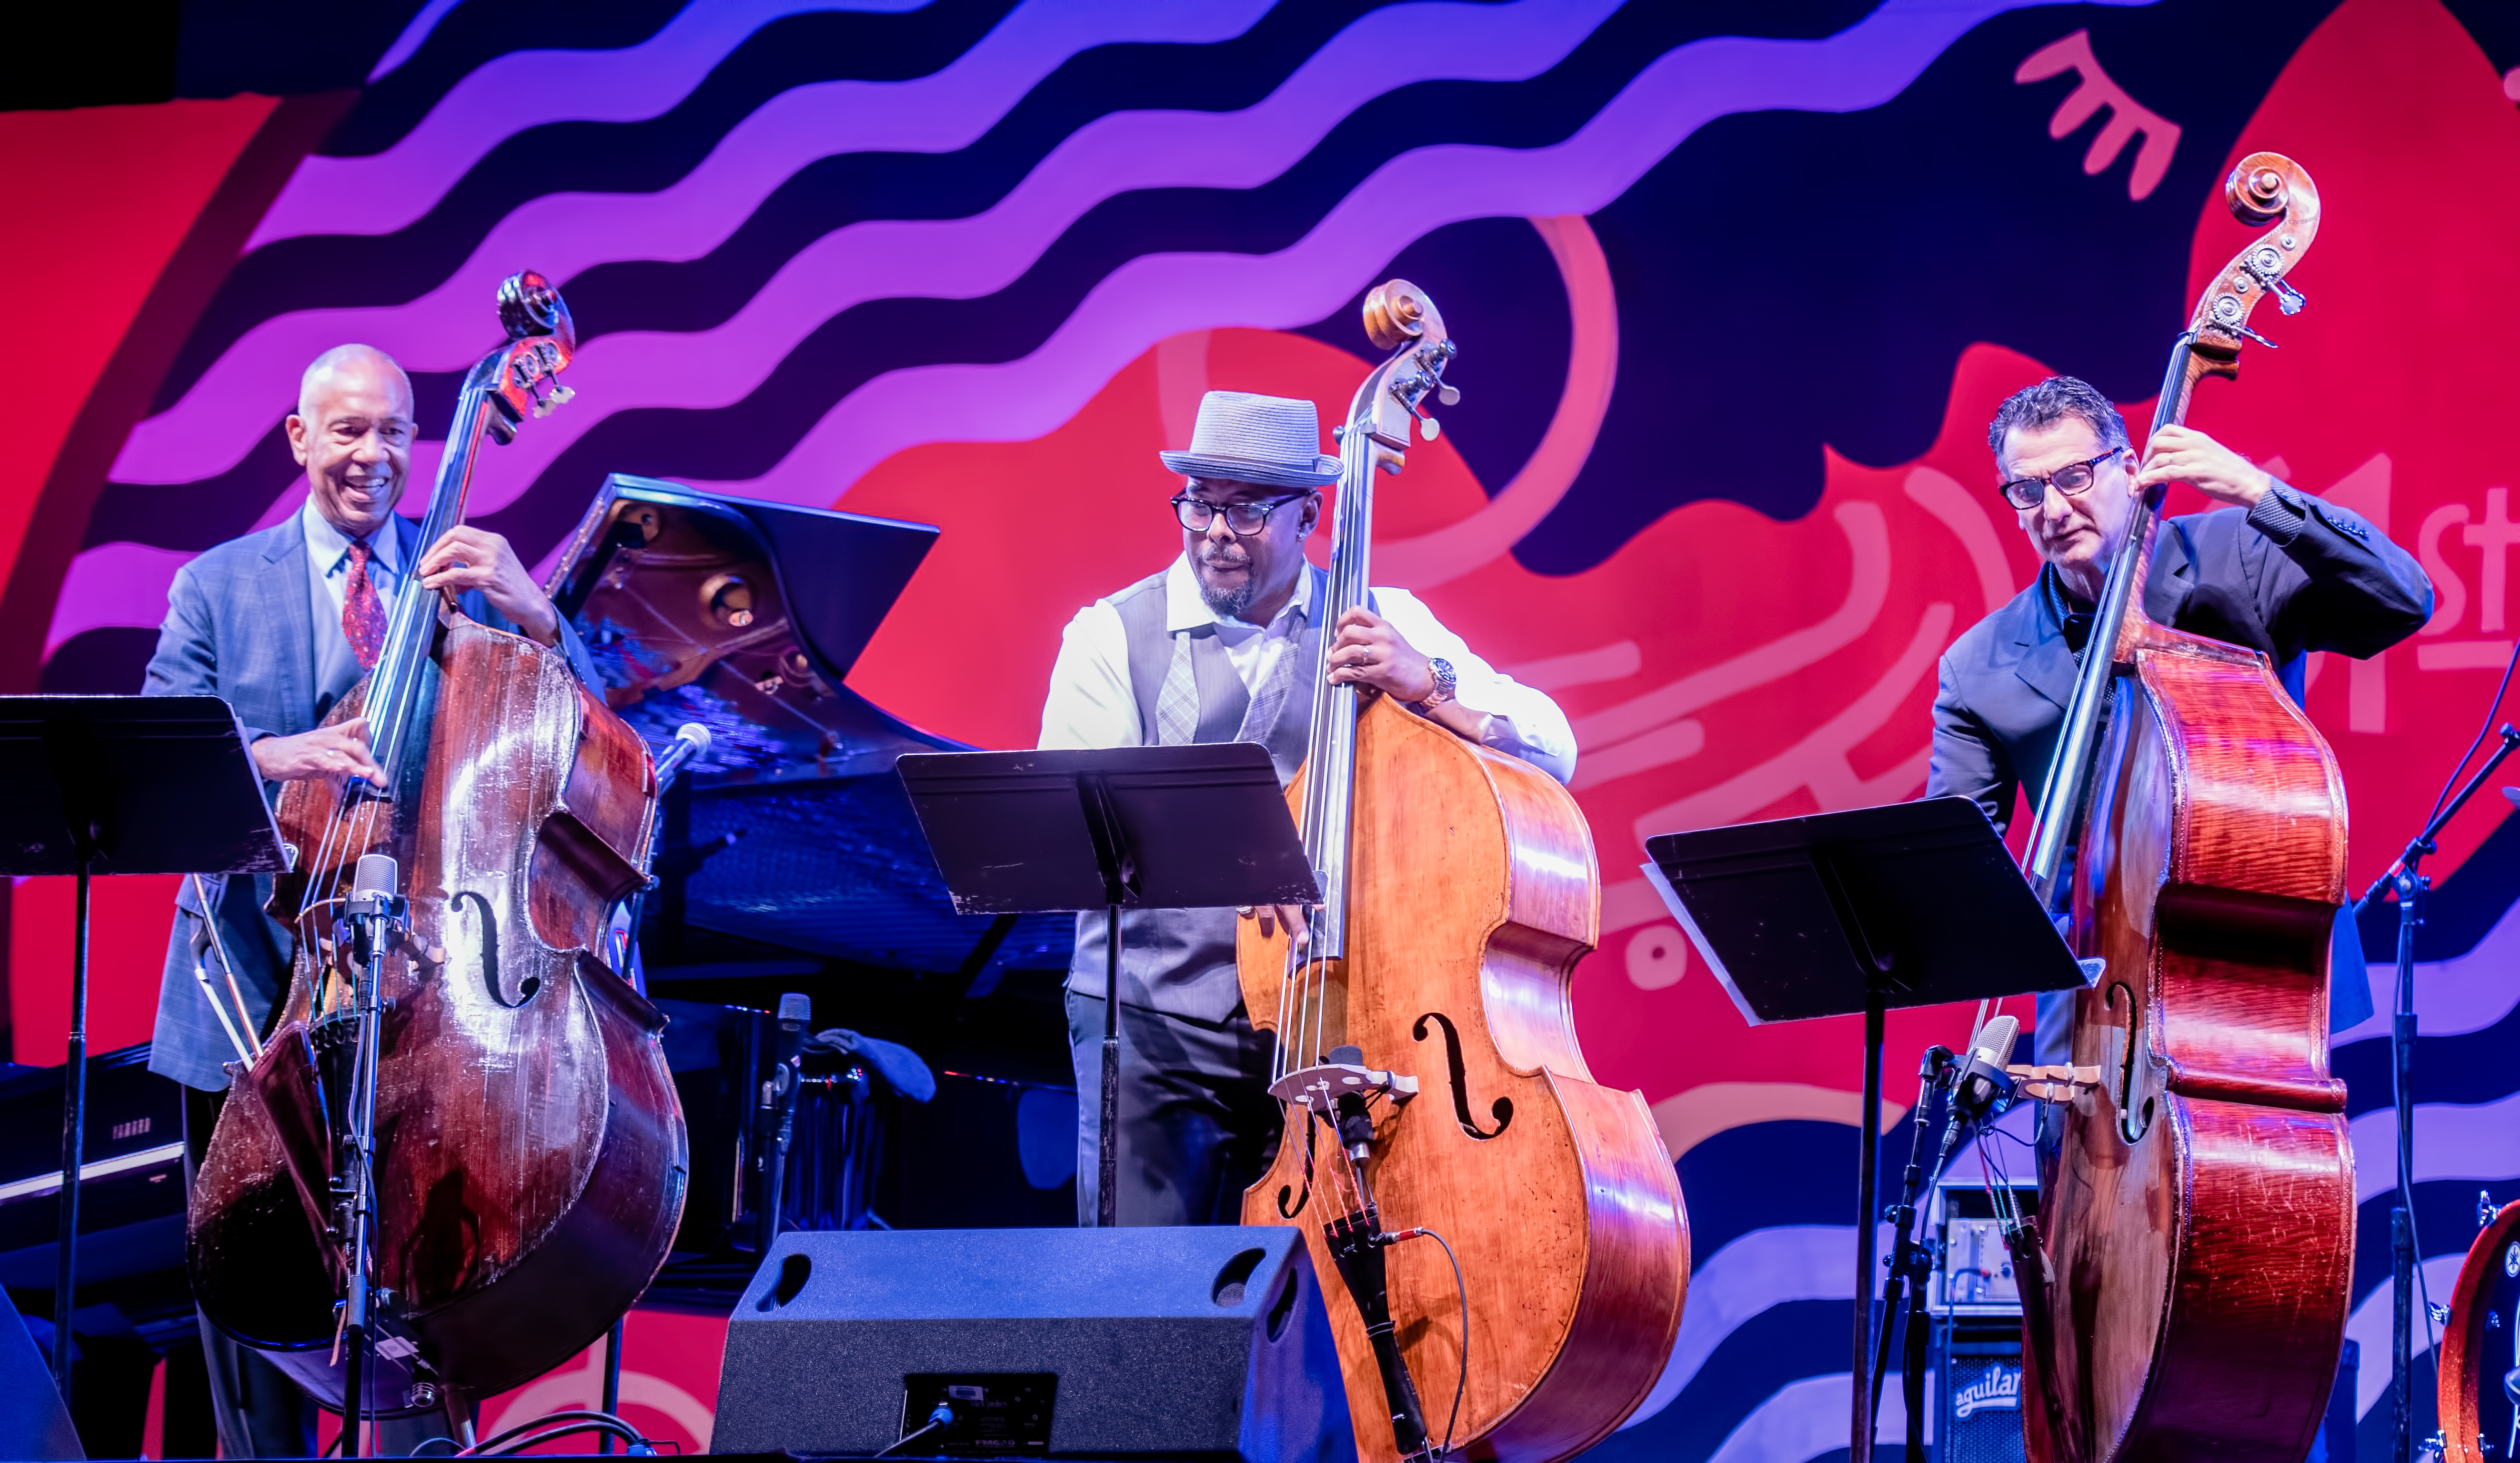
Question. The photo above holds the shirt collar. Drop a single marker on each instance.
(329, 549)
(1184, 608)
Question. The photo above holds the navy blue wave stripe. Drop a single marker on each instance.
(1495, 272)
(1761, 316)
(341, 270)
(1781, 1344)
(2471, 1067)
(840, 190)
(108, 662)
(2459, 909)
(750, 436)
(197, 515)
(828, 194)
(2494, 27)
(1762, 1175)
(1496, 278)
(474, 34)
(2444, 1224)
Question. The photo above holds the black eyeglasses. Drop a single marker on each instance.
(1198, 515)
(2070, 480)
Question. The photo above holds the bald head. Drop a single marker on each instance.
(352, 432)
(357, 364)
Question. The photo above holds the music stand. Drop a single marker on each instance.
(116, 785)
(1915, 903)
(1047, 832)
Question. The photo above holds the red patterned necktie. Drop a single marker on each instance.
(363, 614)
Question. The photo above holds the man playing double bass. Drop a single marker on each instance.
(2274, 569)
(1219, 648)
(283, 623)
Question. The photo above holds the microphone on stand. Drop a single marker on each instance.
(1979, 1083)
(775, 1120)
(691, 743)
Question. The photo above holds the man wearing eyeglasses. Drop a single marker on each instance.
(1222, 646)
(2275, 569)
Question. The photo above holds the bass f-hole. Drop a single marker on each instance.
(2135, 1114)
(1502, 1109)
(490, 951)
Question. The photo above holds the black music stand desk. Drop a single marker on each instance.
(1909, 904)
(111, 785)
(1047, 832)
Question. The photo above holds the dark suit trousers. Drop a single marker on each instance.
(1197, 1126)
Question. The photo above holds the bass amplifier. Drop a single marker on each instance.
(1185, 1343)
(1978, 1374)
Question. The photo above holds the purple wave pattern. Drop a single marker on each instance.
(1154, 296)
(222, 416)
(509, 94)
(1159, 295)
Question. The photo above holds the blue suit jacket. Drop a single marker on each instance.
(241, 624)
(2333, 583)
(2296, 574)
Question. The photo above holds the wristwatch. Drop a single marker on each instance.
(1442, 670)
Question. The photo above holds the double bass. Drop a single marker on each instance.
(2190, 1296)
(1426, 1059)
(529, 1150)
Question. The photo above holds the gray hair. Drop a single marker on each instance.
(2052, 401)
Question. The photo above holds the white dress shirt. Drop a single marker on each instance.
(328, 567)
(1092, 704)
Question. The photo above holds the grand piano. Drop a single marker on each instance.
(789, 861)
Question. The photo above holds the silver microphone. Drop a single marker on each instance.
(1979, 1082)
(372, 888)
(1981, 1079)
(690, 743)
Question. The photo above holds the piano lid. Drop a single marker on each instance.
(745, 616)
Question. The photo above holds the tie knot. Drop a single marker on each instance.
(360, 553)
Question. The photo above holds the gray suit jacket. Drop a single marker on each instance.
(241, 624)
(2296, 574)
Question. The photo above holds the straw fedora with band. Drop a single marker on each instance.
(1270, 440)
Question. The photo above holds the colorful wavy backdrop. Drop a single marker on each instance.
(1736, 283)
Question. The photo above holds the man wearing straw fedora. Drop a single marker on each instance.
(1221, 647)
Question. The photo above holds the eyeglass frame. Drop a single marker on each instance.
(1216, 511)
(2049, 480)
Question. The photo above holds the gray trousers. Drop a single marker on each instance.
(1197, 1124)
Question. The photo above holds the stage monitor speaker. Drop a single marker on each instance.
(1206, 1343)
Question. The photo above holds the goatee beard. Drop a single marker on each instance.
(1227, 605)
(1224, 604)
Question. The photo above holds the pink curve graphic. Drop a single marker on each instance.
(1592, 371)
(562, 234)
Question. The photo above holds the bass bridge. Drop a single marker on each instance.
(1342, 1072)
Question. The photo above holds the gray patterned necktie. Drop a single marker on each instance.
(1277, 683)
(1177, 705)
